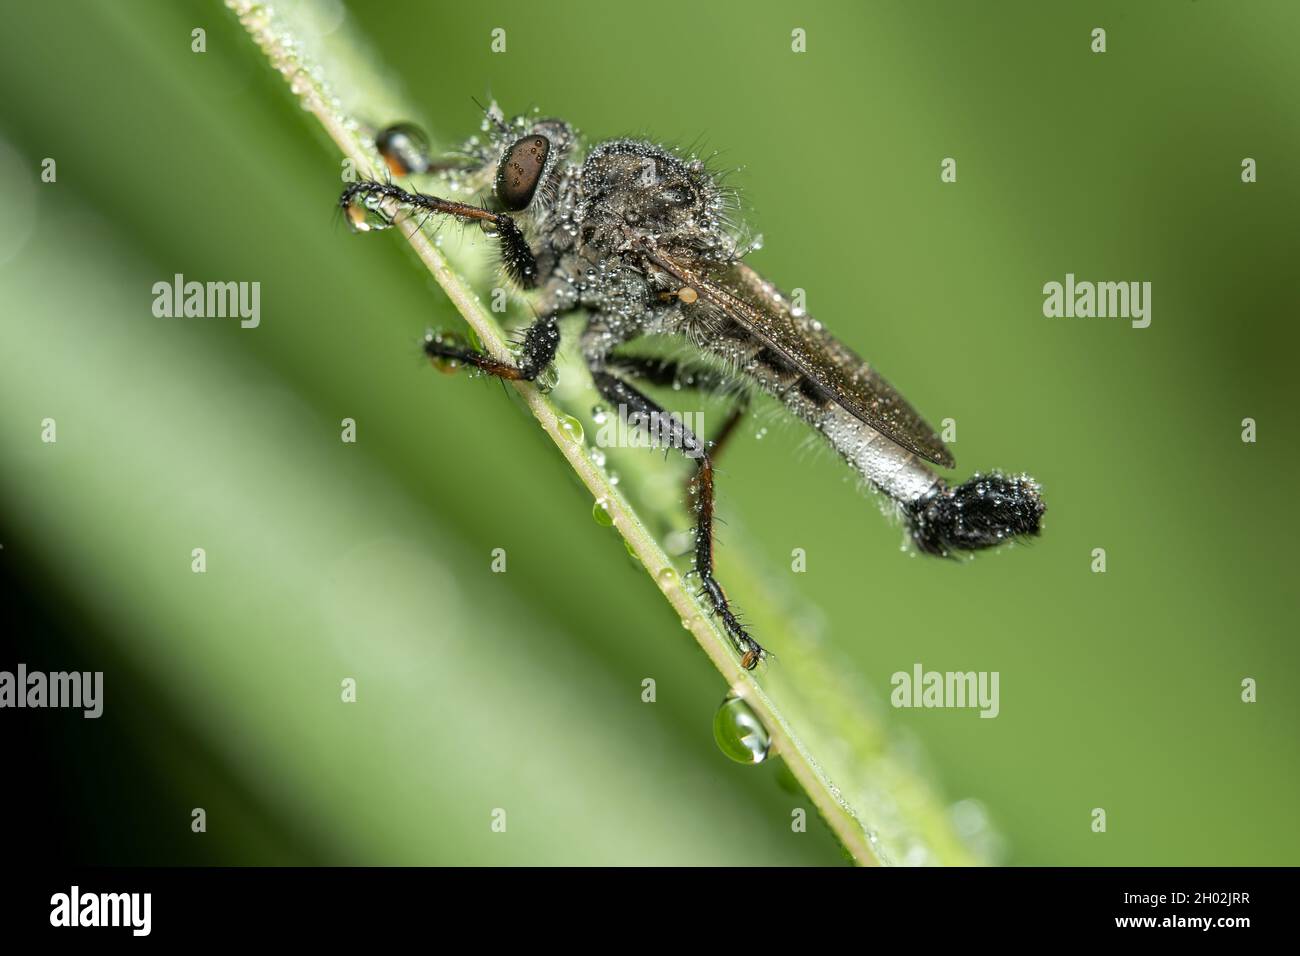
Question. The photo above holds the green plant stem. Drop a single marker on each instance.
(274, 34)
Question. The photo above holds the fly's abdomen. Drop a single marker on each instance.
(888, 466)
(983, 512)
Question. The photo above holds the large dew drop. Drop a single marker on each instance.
(570, 428)
(739, 732)
(365, 215)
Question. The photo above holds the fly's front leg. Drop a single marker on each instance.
(670, 431)
(373, 205)
(363, 200)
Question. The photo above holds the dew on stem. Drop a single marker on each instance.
(739, 732)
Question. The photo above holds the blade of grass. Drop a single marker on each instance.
(880, 806)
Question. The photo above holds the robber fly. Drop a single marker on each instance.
(641, 241)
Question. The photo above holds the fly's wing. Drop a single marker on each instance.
(755, 304)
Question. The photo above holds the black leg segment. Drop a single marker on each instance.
(540, 342)
(669, 430)
(670, 372)
(517, 258)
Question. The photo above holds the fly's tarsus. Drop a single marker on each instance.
(702, 498)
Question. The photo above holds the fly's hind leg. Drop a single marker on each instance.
(670, 431)
(702, 378)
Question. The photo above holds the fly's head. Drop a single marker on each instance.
(636, 193)
(527, 157)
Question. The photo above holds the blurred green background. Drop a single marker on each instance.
(522, 690)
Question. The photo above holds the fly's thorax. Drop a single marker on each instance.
(635, 193)
(607, 285)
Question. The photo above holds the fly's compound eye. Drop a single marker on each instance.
(405, 149)
(521, 170)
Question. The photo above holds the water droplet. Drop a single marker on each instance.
(405, 148)
(761, 434)
(300, 83)
(546, 381)
(667, 577)
(598, 458)
(600, 511)
(364, 215)
(443, 363)
(570, 428)
(613, 478)
(739, 732)
(256, 17)
(598, 414)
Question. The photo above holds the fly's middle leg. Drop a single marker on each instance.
(670, 431)
(540, 342)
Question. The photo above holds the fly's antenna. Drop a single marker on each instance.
(983, 512)
(492, 117)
